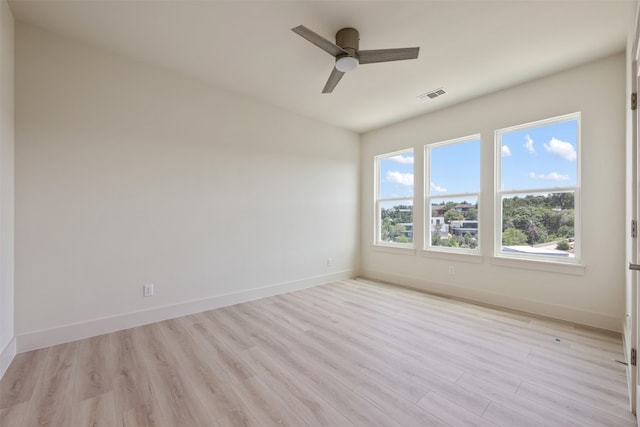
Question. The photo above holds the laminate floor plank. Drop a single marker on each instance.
(441, 321)
(253, 395)
(97, 411)
(332, 378)
(134, 399)
(52, 400)
(508, 417)
(14, 415)
(346, 354)
(516, 404)
(178, 404)
(599, 413)
(94, 375)
(405, 412)
(145, 415)
(451, 412)
(219, 399)
(411, 349)
(20, 380)
(303, 399)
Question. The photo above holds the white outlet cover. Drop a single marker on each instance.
(147, 290)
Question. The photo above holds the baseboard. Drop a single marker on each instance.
(7, 355)
(68, 333)
(569, 314)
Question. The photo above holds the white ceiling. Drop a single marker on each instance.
(470, 48)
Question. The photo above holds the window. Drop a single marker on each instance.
(394, 199)
(537, 195)
(452, 192)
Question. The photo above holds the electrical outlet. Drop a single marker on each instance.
(147, 290)
(329, 262)
(452, 270)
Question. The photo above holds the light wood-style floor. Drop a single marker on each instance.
(352, 353)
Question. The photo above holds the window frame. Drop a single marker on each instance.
(500, 194)
(428, 197)
(378, 201)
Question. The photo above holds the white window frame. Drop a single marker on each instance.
(378, 201)
(428, 197)
(499, 194)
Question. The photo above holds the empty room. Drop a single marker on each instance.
(319, 213)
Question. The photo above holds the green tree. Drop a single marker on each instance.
(536, 234)
(469, 241)
(385, 228)
(452, 215)
(397, 233)
(523, 216)
(553, 221)
(513, 236)
(392, 220)
(435, 235)
(471, 214)
(561, 201)
(542, 218)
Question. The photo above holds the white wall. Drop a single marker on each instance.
(127, 174)
(7, 342)
(594, 296)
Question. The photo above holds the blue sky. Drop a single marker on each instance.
(539, 157)
(455, 168)
(396, 174)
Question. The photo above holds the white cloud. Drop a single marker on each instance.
(400, 178)
(561, 149)
(438, 189)
(405, 160)
(505, 151)
(529, 145)
(552, 176)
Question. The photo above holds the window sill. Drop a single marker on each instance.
(453, 256)
(540, 265)
(399, 250)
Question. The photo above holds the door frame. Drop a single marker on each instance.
(632, 321)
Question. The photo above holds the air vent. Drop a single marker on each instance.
(432, 94)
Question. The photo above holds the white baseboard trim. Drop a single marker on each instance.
(569, 314)
(59, 335)
(7, 355)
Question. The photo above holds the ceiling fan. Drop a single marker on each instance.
(347, 54)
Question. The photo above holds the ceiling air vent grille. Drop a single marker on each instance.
(432, 94)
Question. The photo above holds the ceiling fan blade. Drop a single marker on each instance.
(386, 55)
(333, 80)
(324, 44)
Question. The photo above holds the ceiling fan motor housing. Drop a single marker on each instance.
(349, 40)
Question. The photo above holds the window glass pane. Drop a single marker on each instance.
(396, 176)
(454, 222)
(455, 168)
(539, 224)
(396, 221)
(539, 190)
(540, 157)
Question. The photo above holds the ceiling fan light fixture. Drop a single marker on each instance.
(347, 63)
